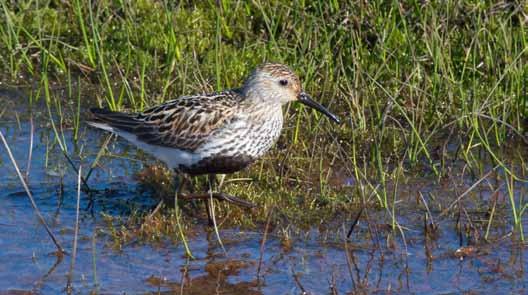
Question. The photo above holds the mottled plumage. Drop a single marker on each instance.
(214, 133)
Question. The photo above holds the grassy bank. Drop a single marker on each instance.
(420, 86)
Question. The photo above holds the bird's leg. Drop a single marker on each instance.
(186, 182)
(210, 195)
(183, 182)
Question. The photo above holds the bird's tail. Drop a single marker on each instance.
(112, 121)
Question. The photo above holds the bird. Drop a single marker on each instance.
(217, 133)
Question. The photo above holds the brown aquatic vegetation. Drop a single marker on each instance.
(216, 280)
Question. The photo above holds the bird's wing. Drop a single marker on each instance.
(184, 123)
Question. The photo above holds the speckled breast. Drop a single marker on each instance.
(237, 148)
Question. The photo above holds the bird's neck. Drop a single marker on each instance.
(265, 111)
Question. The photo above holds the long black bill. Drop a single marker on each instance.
(307, 100)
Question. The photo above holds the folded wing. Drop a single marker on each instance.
(184, 123)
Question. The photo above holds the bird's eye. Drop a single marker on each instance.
(283, 82)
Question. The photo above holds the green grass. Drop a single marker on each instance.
(407, 79)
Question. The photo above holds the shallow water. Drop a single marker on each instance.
(320, 261)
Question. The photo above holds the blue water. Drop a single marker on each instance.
(378, 261)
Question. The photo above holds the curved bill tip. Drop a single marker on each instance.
(307, 100)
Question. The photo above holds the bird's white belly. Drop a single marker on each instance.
(172, 157)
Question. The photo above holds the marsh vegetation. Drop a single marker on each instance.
(429, 166)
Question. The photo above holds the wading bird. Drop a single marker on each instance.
(216, 133)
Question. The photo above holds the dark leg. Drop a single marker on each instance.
(209, 195)
(208, 207)
(212, 180)
(182, 184)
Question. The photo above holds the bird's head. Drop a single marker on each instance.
(276, 83)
